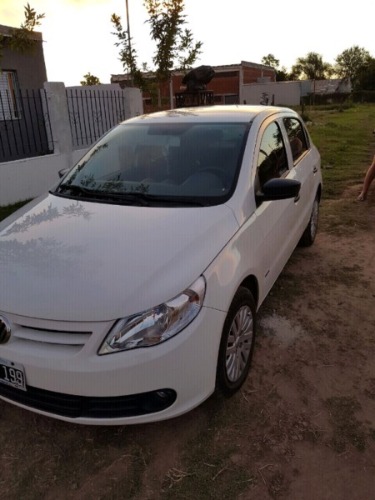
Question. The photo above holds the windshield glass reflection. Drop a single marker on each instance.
(182, 160)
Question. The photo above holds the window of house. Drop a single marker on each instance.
(297, 137)
(9, 96)
(272, 160)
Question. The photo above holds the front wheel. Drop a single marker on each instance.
(237, 343)
(308, 237)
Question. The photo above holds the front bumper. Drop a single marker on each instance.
(66, 379)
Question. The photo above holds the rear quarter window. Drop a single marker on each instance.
(297, 137)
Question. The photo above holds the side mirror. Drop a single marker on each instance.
(63, 172)
(279, 189)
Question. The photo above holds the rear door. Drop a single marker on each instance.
(304, 167)
(278, 219)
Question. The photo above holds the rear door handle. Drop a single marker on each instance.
(315, 169)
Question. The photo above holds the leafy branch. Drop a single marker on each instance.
(19, 39)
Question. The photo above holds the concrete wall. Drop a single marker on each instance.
(277, 93)
(27, 178)
(30, 65)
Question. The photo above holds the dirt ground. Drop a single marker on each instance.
(302, 427)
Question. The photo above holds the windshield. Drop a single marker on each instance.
(160, 162)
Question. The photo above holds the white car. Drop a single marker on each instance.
(129, 291)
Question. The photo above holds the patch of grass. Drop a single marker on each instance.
(346, 428)
(346, 216)
(59, 457)
(208, 470)
(284, 292)
(9, 209)
(344, 138)
(346, 144)
(349, 276)
(343, 217)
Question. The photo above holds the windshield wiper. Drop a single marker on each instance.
(133, 197)
(74, 189)
(163, 199)
(102, 195)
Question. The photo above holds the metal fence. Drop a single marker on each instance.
(93, 112)
(25, 129)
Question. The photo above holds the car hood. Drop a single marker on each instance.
(71, 260)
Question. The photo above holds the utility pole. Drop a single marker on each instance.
(129, 40)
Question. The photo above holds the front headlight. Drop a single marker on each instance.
(157, 324)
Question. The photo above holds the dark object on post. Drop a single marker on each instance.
(196, 93)
(198, 78)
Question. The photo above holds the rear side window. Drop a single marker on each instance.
(297, 137)
(272, 159)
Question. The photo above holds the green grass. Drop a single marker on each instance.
(346, 144)
(9, 209)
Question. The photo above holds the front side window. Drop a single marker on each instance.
(9, 96)
(297, 137)
(162, 162)
(272, 160)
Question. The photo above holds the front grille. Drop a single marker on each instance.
(55, 338)
(45, 336)
(42, 336)
(73, 406)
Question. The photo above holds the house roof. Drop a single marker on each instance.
(246, 64)
(332, 86)
(217, 69)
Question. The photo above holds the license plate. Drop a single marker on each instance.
(12, 374)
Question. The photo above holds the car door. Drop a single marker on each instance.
(277, 218)
(305, 165)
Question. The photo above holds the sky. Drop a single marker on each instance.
(77, 33)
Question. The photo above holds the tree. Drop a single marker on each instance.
(90, 79)
(365, 79)
(20, 39)
(176, 49)
(311, 67)
(270, 60)
(282, 74)
(351, 63)
(128, 55)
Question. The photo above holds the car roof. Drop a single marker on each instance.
(231, 113)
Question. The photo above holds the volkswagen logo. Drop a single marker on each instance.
(5, 330)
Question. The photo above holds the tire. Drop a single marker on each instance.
(237, 343)
(308, 237)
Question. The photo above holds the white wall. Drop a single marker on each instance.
(30, 177)
(278, 93)
(27, 178)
